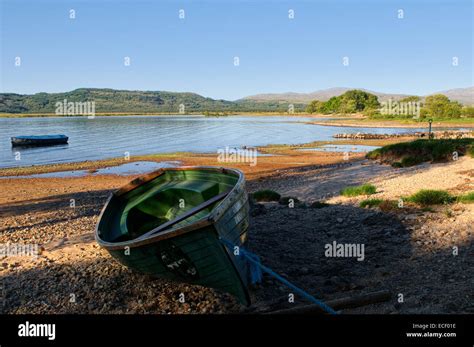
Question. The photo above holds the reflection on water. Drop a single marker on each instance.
(109, 137)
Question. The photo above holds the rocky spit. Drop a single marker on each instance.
(409, 251)
(437, 135)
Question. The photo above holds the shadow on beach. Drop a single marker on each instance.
(291, 242)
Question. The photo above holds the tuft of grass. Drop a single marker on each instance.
(388, 206)
(419, 151)
(470, 151)
(397, 164)
(365, 189)
(426, 197)
(410, 161)
(375, 154)
(466, 198)
(407, 161)
(370, 203)
(266, 195)
(318, 204)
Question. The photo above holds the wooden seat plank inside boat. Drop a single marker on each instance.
(167, 202)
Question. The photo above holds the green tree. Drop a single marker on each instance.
(453, 110)
(412, 98)
(359, 100)
(439, 106)
(315, 106)
(348, 106)
(468, 111)
(332, 105)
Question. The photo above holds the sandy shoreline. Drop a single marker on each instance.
(409, 251)
(390, 124)
(276, 156)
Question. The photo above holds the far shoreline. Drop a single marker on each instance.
(393, 124)
(353, 120)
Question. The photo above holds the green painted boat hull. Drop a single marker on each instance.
(190, 251)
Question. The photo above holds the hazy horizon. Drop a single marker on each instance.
(262, 93)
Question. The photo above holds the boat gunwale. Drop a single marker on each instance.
(217, 212)
(38, 140)
(40, 137)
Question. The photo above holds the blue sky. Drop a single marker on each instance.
(411, 55)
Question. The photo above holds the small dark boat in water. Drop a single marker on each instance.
(171, 223)
(41, 140)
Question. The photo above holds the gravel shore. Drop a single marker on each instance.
(408, 251)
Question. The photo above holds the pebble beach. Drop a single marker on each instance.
(408, 251)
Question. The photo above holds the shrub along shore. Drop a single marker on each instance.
(412, 153)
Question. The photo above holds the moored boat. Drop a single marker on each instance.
(39, 140)
(171, 224)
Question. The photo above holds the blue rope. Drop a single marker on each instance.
(255, 269)
(255, 261)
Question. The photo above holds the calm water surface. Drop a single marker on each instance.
(108, 137)
(341, 148)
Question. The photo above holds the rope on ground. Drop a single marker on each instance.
(256, 275)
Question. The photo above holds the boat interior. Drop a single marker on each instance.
(169, 197)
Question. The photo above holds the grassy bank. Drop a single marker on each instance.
(415, 152)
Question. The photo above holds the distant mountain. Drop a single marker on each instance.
(113, 101)
(133, 101)
(322, 95)
(463, 95)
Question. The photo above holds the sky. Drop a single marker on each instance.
(430, 49)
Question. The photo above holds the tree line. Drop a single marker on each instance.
(359, 101)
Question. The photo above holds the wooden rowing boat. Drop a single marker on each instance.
(41, 140)
(170, 223)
